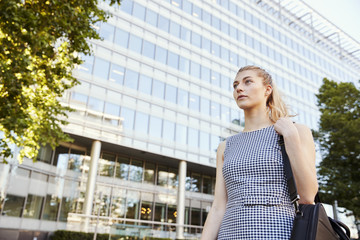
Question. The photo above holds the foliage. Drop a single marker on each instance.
(40, 45)
(339, 138)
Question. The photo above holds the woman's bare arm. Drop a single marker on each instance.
(300, 147)
(216, 214)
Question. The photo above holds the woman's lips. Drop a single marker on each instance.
(241, 97)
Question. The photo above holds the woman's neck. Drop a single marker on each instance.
(255, 120)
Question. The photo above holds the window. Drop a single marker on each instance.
(195, 69)
(215, 22)
(107, 165)
(135, 43)
(118, 203)
(160, 54)
(215, 49)
(61, 157)
(206, 44)
(196, 11)
(168, 130)
(207, 188)
(215, 109)
(128, 118)
(112, 109)
(132, 204)
(193, 137)
(225, 83)
(145, 84)
(225, 54)
(149, 173)
(194, 103)
(87, 65)
(184, 64)
(186, 6)
(121, 37)
(139, 11)
(205, 106)
(96, 104)
(233, 32)
(225, 27)
(107, 32)
(158, 89)
(182, 98)
(67, 206)
(51, 208)
(151, 17)
(173, 60)
(117, 74)
(205, 74)
(195, 182)
(45, 153)
(131, 79)
(76, 160)
(122, 168)
(204, 141)
(174, 29)
(148, 49)
(146, 211)
(206, 17)
(136, 171)
(163, 23)
(126, 6)
(196, 39)
(162, 176)
(234, 58)
(78, 97)
(180, 136)
(215, 78)
(141, 123)
(214, 142)
(155, 127)
(185, 34)
(13, 205)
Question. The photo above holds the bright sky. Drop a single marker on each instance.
(345, 14)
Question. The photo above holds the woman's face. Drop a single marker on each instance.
(249, 90)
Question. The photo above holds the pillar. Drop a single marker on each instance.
(91, 181)
(180, 219)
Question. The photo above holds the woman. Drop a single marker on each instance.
(251, 198)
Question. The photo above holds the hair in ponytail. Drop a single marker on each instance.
(275, 106)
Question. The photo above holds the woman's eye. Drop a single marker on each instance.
(235, 85)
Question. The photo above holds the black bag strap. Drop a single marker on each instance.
(294, 196)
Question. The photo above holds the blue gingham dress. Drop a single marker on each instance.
(258, 204)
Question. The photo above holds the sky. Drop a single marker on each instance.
(345, 14)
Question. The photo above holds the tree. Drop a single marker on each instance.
(41, 42)
(339, 138)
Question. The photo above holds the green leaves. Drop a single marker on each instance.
(40, 42)
(339, 138)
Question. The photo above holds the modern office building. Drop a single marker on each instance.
(154, 102)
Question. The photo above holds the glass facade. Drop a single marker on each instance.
(158, 90)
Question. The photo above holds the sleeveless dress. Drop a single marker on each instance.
(259, 205)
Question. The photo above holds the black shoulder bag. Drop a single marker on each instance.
(311, 221)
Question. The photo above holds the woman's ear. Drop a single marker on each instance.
(268, 90)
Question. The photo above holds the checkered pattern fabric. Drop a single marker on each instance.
(258, 205)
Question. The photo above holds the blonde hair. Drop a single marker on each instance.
(276, 108)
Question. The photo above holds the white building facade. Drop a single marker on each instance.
(154, 102)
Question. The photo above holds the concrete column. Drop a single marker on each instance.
(91, 181)
(180, 219)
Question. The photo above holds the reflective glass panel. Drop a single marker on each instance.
(196, 39)
(195, 69)
(145, 84)
(173, 178)
(68, 205)
(170, 93)
(185, 34)
(168, 130)
(155, 127)
(207, 188)
(194, 102)
(160, 213)
(135, 43)
(76, 160)
(148, 49)
(193, 137)
(215, 78)
(132, 205)
(184, 64)
(215, 49)
(96, 104)
(215, 22)
(107, 165)
(160, 54)
(87, 65)
(126, 6)
(149, 174)
(173, 60)
(131, 79)
(107, 32)
(128, 118)
(61, 157)
(13, 205)
(162, 176)
(112, 109)
(205, 74)
(206, 44)
(121, 37)
(195, 216)
(215, 109)
(116, 74)
(205, 106)
(180, 136)
(158, 89)
(225, 27)
(136, 171)
(146, 211)
(51, 208)
(206, 17)
(45, 153)
(141, 122)
(79, 97)
(186, 6)
(151, 17)
(174, 29)
(196, 11)
(195, 182)
(122, 168)
(138, 11)
(204, 140)
(163, 23)
(225, 54)
(183, 97)
(118, 203)
(214, 142)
